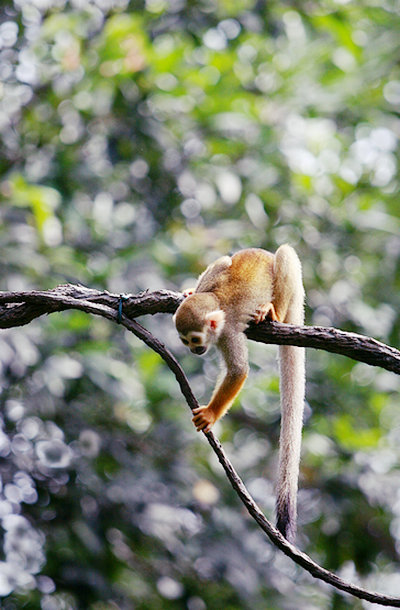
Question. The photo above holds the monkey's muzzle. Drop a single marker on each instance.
(200, 350)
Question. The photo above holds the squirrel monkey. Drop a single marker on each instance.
(252, 285)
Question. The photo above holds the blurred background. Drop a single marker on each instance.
(139, 142)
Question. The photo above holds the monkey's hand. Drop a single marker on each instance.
(265, 311)
(203, 419)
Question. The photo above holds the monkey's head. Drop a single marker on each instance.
(199, 321)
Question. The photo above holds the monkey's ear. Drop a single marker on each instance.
(215, 320)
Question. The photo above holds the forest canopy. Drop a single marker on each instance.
(140, 141)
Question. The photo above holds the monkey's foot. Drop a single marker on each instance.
(264, 311)
(188, 292)
(203, 419)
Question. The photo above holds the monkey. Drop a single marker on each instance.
(252, 285)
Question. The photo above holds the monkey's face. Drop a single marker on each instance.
(195, 341)
(198, 324)
(198, 341)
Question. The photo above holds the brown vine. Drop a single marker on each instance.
(19, 308)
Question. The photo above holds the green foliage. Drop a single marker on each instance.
(140, 141)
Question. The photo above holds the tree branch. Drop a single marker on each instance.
(19, 308)
(353, 345)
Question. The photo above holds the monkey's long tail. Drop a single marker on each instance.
(292, 388)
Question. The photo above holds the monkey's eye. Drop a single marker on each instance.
(196, 340)
(184, 341)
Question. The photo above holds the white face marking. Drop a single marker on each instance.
(195, 341)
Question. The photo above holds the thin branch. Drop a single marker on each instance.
(275, 536)
(20, 308)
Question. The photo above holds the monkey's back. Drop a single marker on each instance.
(246, 283)
(252, 267)
(252, 275)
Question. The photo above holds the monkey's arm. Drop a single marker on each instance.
(205, 417)
(234, 350)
